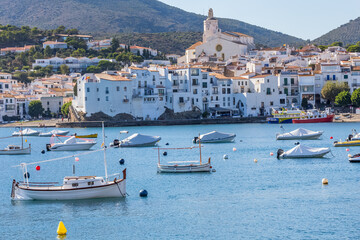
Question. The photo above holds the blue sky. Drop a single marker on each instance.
(307, 19)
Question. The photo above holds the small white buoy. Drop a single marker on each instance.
(225, 156)
(234, 149)
(325, 181)
(255, 160)
(271, 154)
(349, 155)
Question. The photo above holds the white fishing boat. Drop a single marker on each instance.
(72, 188)
(138, 140)
(56, 132)
(15, 150)
(183, 166)
(26, 132)
(301, 151)
(354, 158)
(215, 137)
(71, 144)
(299, 134)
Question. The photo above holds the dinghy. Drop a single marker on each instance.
(71, 144)
(301, 151)
(215, 137)
(299, 134)
(26, 132)
(138, 140)
(354, 158)
(56, 132)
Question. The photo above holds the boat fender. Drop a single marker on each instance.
(122, 161)
(143, 193)
(43, 151)
(225, 156)
(27, 175)
(166, 144)
(48, 147)
(164, 153)
(195, 139)
(279, 152)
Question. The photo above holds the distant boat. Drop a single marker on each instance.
(299, 134)
(347, 143)
(137, 140)
(354, 158)
(95, 135)
(284, 115)
(301, 151)
(71, 144)
(26, 132)
(314, 116)
(73, 188)
(15, 150)
(56, 132)
(215, 137)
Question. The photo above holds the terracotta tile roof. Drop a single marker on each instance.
(239, 78)
(194, 45)
(111, 77)
(261, 76)
(54, 42)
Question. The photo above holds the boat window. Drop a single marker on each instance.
(91, 183)
(75, 184)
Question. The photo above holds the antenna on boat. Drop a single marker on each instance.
(104, 146)
(200, 147)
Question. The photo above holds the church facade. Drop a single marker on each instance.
(217, 44)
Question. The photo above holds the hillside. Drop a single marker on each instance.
(123, 16)
(348, 33)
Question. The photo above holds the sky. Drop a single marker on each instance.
(306, 19)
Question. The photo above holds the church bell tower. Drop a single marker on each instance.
(211, 26)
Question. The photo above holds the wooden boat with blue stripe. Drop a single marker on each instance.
(283, 115)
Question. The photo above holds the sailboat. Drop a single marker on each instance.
(73, 187)
(183, 166)
(15, 149)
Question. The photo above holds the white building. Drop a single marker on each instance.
(74, 64)
(55, 45)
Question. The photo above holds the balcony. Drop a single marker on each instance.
(195, 84)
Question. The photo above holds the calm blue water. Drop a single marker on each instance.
(271, 199)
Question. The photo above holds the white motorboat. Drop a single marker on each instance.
(215, 137)
(15, 150)
(299, 134)
(301, 151)
(26, 132)
(71, 144)
(54, 132)
(72, 188)
(354, 158)
(137, 140)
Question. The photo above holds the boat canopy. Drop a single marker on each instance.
(215, 135)
(140, 139)
(26, 131)
(299, 132)
(70, 140)
(301, 150)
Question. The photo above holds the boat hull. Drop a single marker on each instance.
(110, 190)
(50, 134)
(72, 147)
(87, 136)
(347, 144)
(184, 168)
(151, 144)
(219, 140)
(319, 155)
(305, 137)
(279, 120)
(26, 134)
(23, 151)
(328, 118)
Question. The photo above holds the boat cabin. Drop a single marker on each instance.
(13, 147)
(82, 182)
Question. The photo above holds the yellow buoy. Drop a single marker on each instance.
(26, 140)
(325, 181)
(61, 229)
(255, 160)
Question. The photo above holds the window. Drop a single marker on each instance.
(195, 91)
(346, 76)
(107, 90)
(271, 103)
(228, 90)
(268, 80)
(88, 89)
(107, 98)
(6, 85)
(285, 81)
(97, 89)
(194, 72)
(292, 81)
(91, 183)
(117, 88)
(224, 99)
(181, 100)
(85, 98)
(286, 91)
(60, 103)
(282, 101)
(75, 185)
(48, 103)
(204, 84)
(204, 76)
(268, 91)
(223, 90)
(98, 99)
(125, 89)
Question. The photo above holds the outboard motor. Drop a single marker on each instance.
(297, 143)
(48, 147)
(195, 139)
(349, 137)
(116, 142)
(279, 152)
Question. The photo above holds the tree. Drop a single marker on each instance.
(47, 52)
(35, 109)
(64, 69)
(79, 53)
(65, 108)
(115, 44)
(93, 69)
(332, 89)
(355, 97)
(343, 98)
(304, 103)
(106, 65)
(340, 44)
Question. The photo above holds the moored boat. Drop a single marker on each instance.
(137, 140)
(215, 137)
(15, 150)
(95, 135)
(56, 132)
(301, 151)
(314, 116)
(354, 158)
(299, 134)
(283, 115)
(71, 144)
(26, 132)
(353, 143)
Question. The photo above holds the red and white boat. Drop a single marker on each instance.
(314, 116)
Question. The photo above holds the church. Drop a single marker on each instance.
(217, 44)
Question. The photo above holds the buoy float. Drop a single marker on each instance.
(37, 168)
(166, 144)
(255, 160)
(225, 156)
(347, 149)
(61, 229)
(143, 193)
(27, 175)
(26, 140)
(165, 153)
(325, 181)
(331, 137)
(349, 155)
(77, 159)
(234, 149)
(122, 161)
(43, 151)
(271, 154)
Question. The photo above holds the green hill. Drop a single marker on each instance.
(123, 16)
(348, 33)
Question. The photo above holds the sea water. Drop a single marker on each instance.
(270, 199)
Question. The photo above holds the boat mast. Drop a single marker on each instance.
(22, 138)
(104, 146)
(200, 148)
